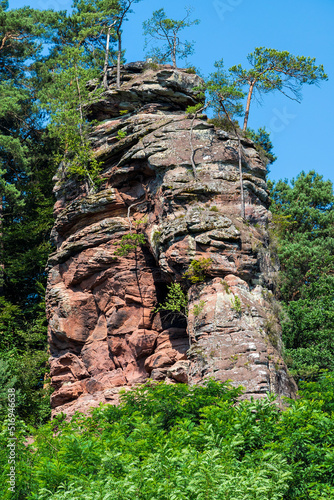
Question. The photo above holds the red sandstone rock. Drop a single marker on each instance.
(103, 332)
(179, 371)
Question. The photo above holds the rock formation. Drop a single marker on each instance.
(103, 332)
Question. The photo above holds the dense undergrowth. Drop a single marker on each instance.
(173, 442)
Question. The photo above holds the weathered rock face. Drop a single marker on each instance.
(103, 332)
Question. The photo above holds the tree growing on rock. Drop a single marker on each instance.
(163, 29)
(114, 22)
(71, 74)
(95, 25)
(276, 70)
(225, 96)
(124, 8)
(67, 110)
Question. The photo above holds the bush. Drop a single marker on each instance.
(191, 70)
(129, 242)
(176, 301)
(225, 124)
(175, 441)
(198, 270)
(263, 144)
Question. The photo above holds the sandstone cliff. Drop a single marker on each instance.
(103, 332)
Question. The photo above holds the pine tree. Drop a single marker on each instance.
(225, 95)
(276, 70)
(304, 215)
(72, 72)
(26, 200)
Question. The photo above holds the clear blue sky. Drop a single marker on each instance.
(302, 134)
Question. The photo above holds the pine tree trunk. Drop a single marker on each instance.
(106, 59)
(174, 53)
(119, 55)
(249, 98)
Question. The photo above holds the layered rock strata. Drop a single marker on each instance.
(174, 179)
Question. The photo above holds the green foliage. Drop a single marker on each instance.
(270, 70)
(175, 441)
(191, 110)
(191, 70)
(71, 73)
(276, 70)
(121, 134)
(26, 207)
(176, 301)
(143, 221)
(263, 144)
(22, 33)
(151, 65)
(198, 308)
(225, 93)
(226, 286)
(162, 29)
(129, 242)
(236, 304)
(304, 215)
(224, 123)
(198, 270)
(7, 381)
(156, 237)
(23, 345)
(68, 109)
(304, 431)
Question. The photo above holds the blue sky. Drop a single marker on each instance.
(302, 134)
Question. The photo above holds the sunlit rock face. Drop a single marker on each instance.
(173, 178)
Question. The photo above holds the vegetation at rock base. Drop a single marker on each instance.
(175, 441)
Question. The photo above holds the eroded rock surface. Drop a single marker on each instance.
(103, 332)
